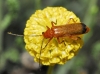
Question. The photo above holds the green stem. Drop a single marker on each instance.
(0, 10)
(0, 24)
(50, 69)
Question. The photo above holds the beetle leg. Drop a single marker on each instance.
(72, 20)
(53, 23)
(47, 43)
(47, 27)
(60, 41)
(74, 37)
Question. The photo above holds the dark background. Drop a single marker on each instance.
(14, 59)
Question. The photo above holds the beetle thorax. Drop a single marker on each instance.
(49, 33)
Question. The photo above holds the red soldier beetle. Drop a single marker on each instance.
(68, 30)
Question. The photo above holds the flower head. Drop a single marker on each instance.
(54, 52)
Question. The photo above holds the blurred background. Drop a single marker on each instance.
(14, 59)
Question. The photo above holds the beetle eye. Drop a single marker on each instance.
(42, 32)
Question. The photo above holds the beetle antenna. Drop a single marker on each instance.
(22, 35)
(43, 48)
(41, 52)
(14, 34)
(47, 43)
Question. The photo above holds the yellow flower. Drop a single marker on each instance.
(54, 52)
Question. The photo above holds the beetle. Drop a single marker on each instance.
(67, 30)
